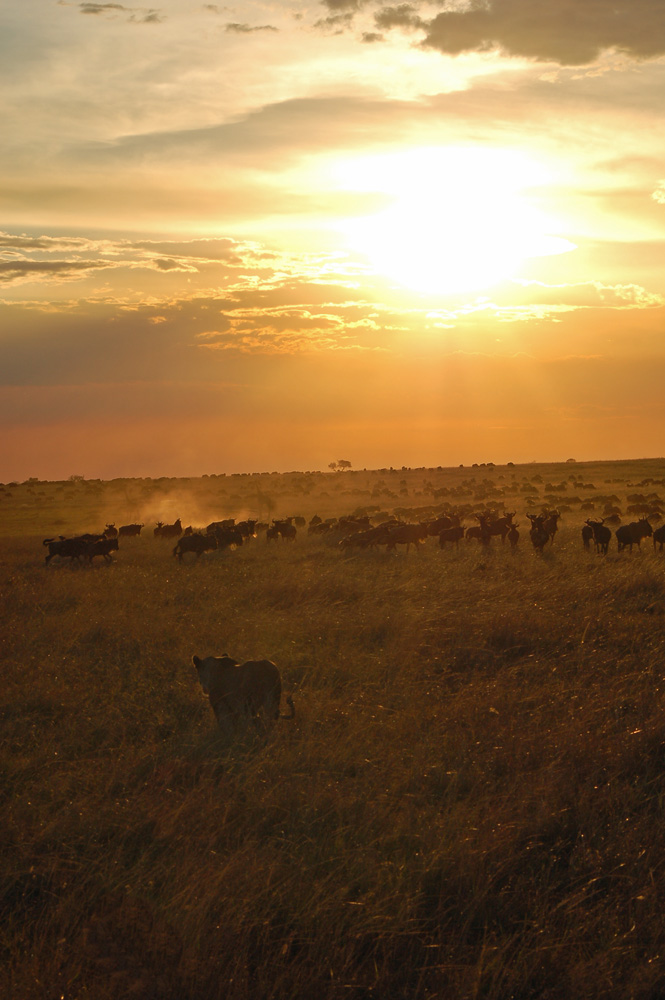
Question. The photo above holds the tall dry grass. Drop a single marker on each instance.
(468, 804)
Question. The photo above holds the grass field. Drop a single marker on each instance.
(470, 802)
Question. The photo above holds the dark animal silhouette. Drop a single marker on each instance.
(633, 533)
(195, 543)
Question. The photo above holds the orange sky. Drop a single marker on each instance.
(255, 238)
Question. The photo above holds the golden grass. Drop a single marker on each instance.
(469, 802)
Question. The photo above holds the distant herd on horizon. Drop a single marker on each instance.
(357, 532)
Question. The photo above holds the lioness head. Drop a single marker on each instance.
(209, 668)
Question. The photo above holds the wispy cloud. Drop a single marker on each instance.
(143, 15)
(27, 270)
(247, 29)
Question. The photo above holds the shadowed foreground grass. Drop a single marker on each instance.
(469, 803)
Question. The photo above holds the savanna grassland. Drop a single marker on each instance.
(469, 803)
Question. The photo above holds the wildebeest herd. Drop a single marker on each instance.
(358, 532)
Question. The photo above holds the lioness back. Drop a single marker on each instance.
(261, 686)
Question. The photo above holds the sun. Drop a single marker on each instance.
(458, 219)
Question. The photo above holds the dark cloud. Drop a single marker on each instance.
(140, 14)
(168, 264)
(247, 29)
(568, 32)
(100, 8)
(336, 22)
(32, 270)
(226, 250)
(404, 16)
(346, 6)
(24, 242)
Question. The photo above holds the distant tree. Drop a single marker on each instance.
(332, 465)
(76, 479)
(343, 464)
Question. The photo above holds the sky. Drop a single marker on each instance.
(265, 236)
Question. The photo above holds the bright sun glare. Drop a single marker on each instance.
(459, 218)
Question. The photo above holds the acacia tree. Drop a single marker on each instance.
(332, 465)
(343, 464)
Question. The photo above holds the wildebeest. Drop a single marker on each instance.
(365, 539)
(406, 534)
(129, 530)
(452, 534)
(601, 535)
(659, 537)
(247, 528)
(318, 528)
(551, 523)
(110, 531)
(633, 533)
(228, 522)
(69, 548)
(168, 530)
(195, 543)
(438, 524)
(289, 532)
(350, 524)
(538, 534)
(102, 547)
(226, 537)
(500, 525)
(481, 531)
(285, 529)
(587, 535)
(513, 535)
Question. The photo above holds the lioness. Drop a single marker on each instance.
(236, 690)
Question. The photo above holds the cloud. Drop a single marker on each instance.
(344, 5)
(272, 138)
(100, 8)
(168, 264)
(12, 272)
(568, 32)
(404, 16)
(585, 295)
(248, 29)
(30, 258)
(284, 129)
(139, 14)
